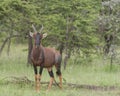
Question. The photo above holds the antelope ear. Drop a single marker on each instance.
(31, 34)
(44, 35)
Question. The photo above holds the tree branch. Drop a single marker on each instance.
(5, 41)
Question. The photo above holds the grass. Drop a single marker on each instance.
(95, 73)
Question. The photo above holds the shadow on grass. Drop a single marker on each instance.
(24, 81)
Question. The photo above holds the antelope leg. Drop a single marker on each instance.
(51, 78)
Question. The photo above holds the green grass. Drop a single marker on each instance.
(95, 73)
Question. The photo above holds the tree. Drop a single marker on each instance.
(109, 25)
(70, 24)
(109, 21)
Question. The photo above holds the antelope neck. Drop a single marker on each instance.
(38, 47)
(38, 53)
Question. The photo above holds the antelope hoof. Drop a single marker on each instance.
(60, 86)
(38, 91)
(48, 89)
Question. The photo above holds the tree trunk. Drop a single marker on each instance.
(9, 43)
(30, 46)
(4, 43)
(66, 43)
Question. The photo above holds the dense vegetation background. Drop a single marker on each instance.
(73, 26)
(66, 22)
(86, 32)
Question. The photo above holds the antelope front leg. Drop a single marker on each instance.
(37, 82)
(39, 76)
(51, 78)
(37, 79)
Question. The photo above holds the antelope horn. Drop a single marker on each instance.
(41, 29)
(34, 28)
(31, 34)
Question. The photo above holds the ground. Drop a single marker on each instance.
(94, 79)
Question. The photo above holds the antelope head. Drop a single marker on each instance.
(37, 36)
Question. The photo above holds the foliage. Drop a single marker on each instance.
(71, 22)
(109, 20)
(15, 16)
(68, 22)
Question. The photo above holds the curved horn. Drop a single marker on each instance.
(41, 29)
(34, 28)
(31, 34)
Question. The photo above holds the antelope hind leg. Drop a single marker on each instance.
(51, 78)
